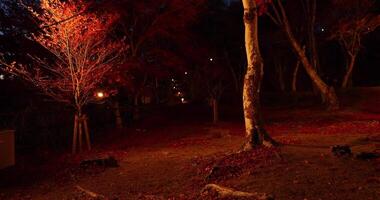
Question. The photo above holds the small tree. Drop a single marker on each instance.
(353, 20)
(81, 55)
(212, 77)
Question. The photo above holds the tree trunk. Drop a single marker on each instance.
(136, 110)
(80, 127)
(348, 73)
(294, 78)
(280, 76)
(215, 110)
(254, 128)
(156, 91)
(328, 93)
(119, 121)
(237, 83)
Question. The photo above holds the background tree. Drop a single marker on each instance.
(352, 21)
(280, 17)
(153, 30)
(209, 76)
(80, 56)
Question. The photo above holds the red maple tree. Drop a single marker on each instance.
(352, 21)
(81, 54)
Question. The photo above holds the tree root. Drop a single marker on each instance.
(90, 193)
(223, 192)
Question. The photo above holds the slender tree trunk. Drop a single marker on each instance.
(233, 73)
(156, 91)
(136, 110)
(294, 78)
(254, 127)
(348, 73)
(119, 121)
(280, 76)
(215, 109)
(312, 41)
(80, 128)
(328, 93)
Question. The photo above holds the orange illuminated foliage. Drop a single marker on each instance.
(81, 51)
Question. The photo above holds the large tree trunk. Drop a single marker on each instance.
(254, 127)
(328, 93)
(348, 73)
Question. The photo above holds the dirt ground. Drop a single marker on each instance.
(175, 161)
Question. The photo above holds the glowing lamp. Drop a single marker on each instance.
(100, 95)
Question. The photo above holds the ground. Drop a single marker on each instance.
(174, 161)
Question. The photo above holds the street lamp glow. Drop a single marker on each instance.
(211, 59)
(100, 94)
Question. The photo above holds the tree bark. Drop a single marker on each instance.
(348, 73)
(254, 127)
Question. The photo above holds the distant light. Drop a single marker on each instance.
(185, 73)
(2, 77)
(178, 93)
(211, 59)
(183, 100)
(173, 79)
(323, 29)
(100, 94)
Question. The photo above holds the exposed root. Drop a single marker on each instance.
(90, 193)
(217, 191)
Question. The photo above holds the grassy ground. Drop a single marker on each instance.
(173, 161)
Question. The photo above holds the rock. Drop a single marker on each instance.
(221, 172)
(107, 162)
(341, 151)
(213, 191)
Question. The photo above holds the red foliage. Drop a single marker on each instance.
(263, 6)
(81, 51)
